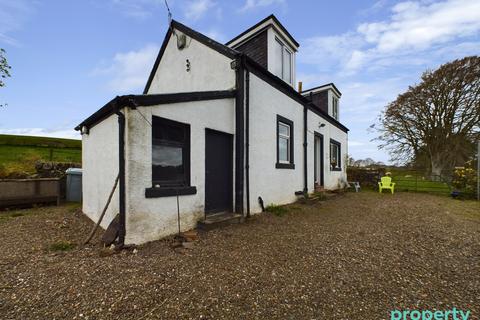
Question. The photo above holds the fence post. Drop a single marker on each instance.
(51, 154)
(478, 171)
(416, 180)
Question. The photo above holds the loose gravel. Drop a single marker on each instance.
(355, 256)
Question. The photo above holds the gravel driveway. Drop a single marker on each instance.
(355, 256)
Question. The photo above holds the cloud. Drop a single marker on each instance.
(255, 4)
(196, 9)
(13, 14)
(415, 26)
(411, 28)
(138, 9)
(128, 71)
(43, 132)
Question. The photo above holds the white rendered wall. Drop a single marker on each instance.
(332, 179)
(153, 218)
(274, 185)
(100, 168)
(209, 70)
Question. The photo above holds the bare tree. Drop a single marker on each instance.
(438, 119)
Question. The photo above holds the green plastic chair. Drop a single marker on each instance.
(386, 183)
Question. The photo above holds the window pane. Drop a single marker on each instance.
(334, 154)
(284, 129)
(287, 66)
(283, 149)
(164, 130)
(167, 163)
(277, 65)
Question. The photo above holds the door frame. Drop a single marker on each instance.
(322, 158)
(231, 187)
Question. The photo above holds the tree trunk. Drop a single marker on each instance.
(436, 166)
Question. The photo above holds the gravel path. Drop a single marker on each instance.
(356, 256)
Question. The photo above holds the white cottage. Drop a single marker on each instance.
(218, 128)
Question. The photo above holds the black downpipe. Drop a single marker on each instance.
(305, 169)
(121, 172)
(239, 135)
(247, 138)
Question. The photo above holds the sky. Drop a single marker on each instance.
(69, 58)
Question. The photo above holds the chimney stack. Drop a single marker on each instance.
(300, 86)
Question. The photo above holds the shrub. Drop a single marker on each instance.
(276, 210)
(465, 178)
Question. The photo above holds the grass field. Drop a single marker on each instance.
(411, 180)
(19, 153)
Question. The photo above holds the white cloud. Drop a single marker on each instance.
(129, 71)
(43, 132)
(254, 4)
(13, 14)
(416, 26)
(412, 28)
(196, 9)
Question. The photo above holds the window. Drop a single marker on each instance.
(335, 155)
(335, 108)
(284, 143)
(282, 67)
(170, 153)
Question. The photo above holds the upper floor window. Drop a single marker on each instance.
(284, 143)
(283, 62)
(335, 108)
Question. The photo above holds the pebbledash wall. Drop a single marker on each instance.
(100, 169)
(151, 218)
(274, 185)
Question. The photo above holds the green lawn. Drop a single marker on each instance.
(410, 180)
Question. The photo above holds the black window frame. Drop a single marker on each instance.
(339, 165)
(167, 187)
(291, 162)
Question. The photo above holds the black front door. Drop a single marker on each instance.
(218, 171)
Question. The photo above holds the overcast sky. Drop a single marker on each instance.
(69, 58)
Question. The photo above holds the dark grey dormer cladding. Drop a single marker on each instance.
(256, 48)
(320, 100)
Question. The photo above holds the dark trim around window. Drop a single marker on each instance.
(339, 167)
(172, 187)
(291, 164)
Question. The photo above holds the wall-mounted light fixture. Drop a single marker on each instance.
(321, 125)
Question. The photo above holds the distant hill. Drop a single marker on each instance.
(18, 154)
(15, 140)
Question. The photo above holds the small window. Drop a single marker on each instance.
(335, 108)
(335, 155)
(282, 67)
(170, 153)
(284, 143)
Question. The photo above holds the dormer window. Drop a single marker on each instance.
(282, 67)
(335, 107)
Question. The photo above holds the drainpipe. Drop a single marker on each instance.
(305, 169)
(239, 134)
(121, 172)
(247, 138)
